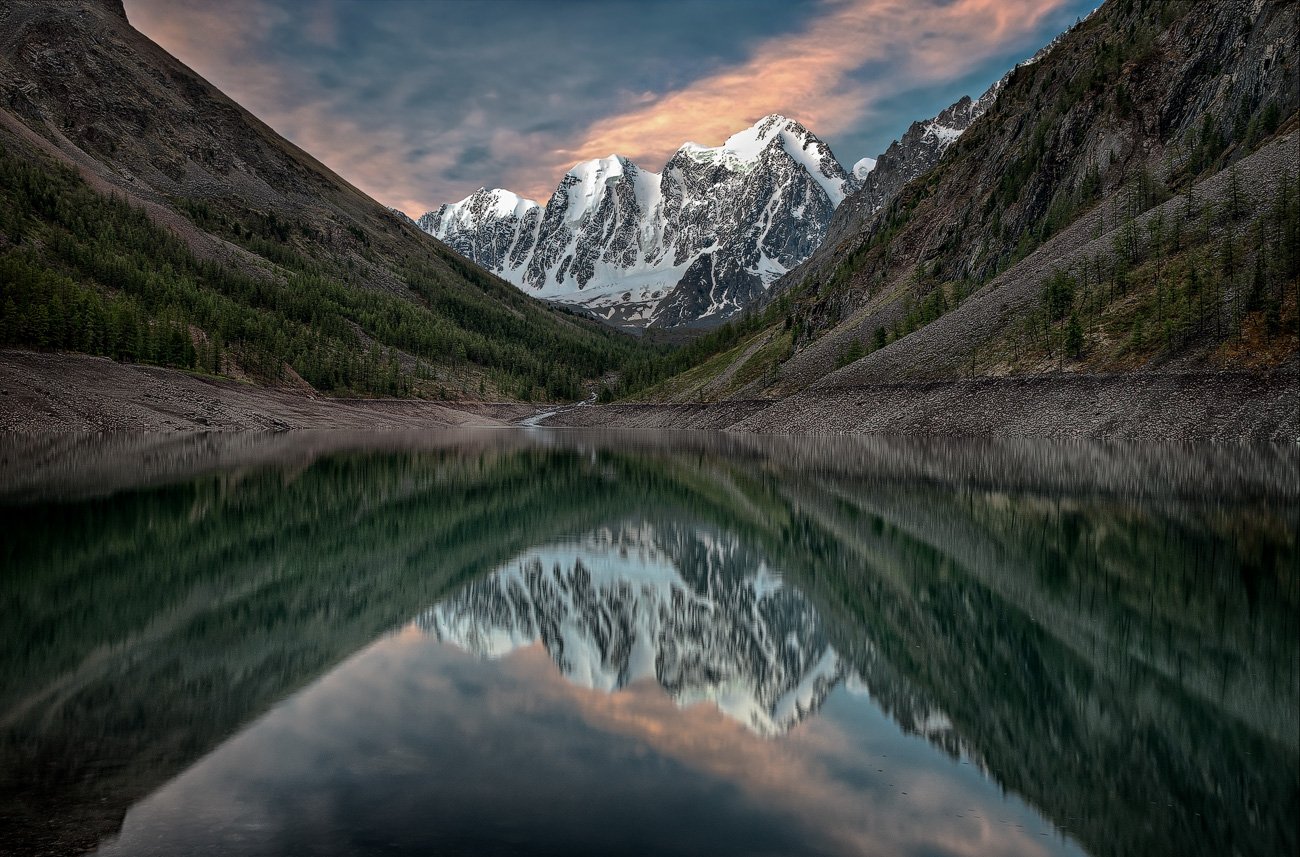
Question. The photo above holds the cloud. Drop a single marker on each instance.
(818, 775)
(232, 44)
(421, 103)
(808, 75)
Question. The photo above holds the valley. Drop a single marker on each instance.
(908, 465)
(1076, 234)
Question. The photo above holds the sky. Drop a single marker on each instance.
(421, 102)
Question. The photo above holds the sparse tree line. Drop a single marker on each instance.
(1032, 179)
(659, 365)
(930, 296)
(1206, 273)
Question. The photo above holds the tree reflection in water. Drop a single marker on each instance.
(1109, 632)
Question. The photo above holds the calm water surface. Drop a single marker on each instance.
(567, 643)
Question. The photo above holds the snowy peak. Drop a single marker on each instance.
(507, 204)
(587, 183)
(754, 139)
(691, 245)
(745, 146)
(600, 168)
(489, 226)
(496, 203)
(775, 132)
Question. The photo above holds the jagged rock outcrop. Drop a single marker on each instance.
(880, 179)
(919, 149)
(691, 245)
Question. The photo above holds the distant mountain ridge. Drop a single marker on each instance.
(919, 149)
(691, 245)
(502, 231)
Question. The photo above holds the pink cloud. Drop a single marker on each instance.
(793, 775)
(811, 75)
(807, 75)
(217, 41)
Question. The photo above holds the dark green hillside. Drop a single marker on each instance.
(147, 217)
(1209, 276)
(81, 271)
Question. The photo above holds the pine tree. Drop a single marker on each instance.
(1074, 335)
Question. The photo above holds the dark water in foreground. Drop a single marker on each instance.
(566, 643)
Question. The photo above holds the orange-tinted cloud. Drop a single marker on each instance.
(807, 75)
(218, 40)
(819, 74)
(794, 775)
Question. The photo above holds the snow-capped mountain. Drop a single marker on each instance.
(690, 245)
(863, 168)
(695, 611)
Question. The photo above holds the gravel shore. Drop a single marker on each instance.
(1173, 406)
(45, 393)
(63, 393)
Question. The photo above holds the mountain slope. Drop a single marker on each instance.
(876, 181)
(916, 152)
(1053, 214)
(279, 270)
(689, 246)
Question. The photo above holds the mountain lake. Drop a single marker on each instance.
(500, 642)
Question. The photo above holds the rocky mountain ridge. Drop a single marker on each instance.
(915, 153)
(1139, 176)
(691, 245)
(504, 232)
(912, 154)
(1128, 104)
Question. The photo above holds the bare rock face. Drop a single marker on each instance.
(689, 246)
(917, 152)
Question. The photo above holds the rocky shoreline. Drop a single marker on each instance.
(45, 393)
(42, 393)
(1206, 405)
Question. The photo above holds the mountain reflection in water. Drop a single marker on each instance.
(531, 642)
(695, 611)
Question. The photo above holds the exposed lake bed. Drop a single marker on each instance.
(44, 394)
